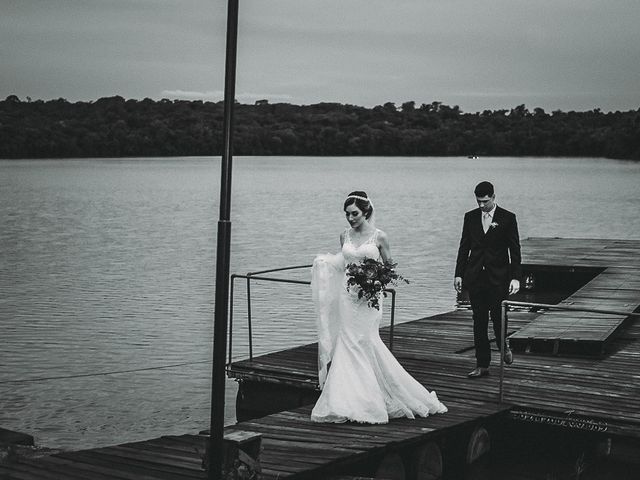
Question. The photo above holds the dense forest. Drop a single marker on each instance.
(115, 127)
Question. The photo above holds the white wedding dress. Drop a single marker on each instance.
(360, 378)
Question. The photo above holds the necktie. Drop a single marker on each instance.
(486, 221)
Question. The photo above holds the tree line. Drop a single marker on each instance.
(115, 127)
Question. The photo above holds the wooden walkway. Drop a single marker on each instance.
(292, 447)
(581, 392)
(296, 447)
(598, 390)
(438, 352)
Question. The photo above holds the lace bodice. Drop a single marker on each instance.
(355, 253)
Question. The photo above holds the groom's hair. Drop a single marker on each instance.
(484, 189)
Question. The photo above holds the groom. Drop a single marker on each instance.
(488, 266)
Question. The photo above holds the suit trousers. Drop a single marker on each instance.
(486, 303)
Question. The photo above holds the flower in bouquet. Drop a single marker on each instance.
(370, 278)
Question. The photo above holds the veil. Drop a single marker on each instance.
(372, 217)
(327, 274)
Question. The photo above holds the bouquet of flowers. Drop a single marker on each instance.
(371, 277)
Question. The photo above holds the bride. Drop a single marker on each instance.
(361, 380)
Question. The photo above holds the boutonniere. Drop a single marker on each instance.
(493, 225)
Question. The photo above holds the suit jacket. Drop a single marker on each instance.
(497, 251)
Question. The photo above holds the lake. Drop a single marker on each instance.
(107, 267)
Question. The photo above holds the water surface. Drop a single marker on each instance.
(107, 267)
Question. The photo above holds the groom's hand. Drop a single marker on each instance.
(514, 286)
(457, 284)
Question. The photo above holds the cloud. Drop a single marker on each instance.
(214, 95)
(217, 95)
(252, 97)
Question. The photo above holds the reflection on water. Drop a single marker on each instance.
(107, 266)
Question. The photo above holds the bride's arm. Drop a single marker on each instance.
(383, 246)
(342, 235)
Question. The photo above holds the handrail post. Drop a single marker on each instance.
(393, 315)
(503, 333)
(232, 281)
(249, 316)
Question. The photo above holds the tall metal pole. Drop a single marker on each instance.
(223, 255)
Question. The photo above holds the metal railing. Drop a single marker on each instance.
(259, 276)
(508, 303)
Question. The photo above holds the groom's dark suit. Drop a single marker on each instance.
(487, 262)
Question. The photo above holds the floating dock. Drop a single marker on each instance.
(574, 374)
(577, 362)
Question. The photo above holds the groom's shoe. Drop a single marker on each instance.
(508, 356)
(478, 372)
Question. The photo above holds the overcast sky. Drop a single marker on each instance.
(478, 54)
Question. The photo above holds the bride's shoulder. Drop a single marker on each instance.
(381, 236)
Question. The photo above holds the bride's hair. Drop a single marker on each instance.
(362, 201)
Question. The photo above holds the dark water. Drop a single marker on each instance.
(107, 267)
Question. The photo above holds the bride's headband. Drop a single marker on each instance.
(358, 197)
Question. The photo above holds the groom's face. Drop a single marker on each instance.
(486, 203)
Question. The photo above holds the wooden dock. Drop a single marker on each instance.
(595, 390)
(596, 379)
(292, 447)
